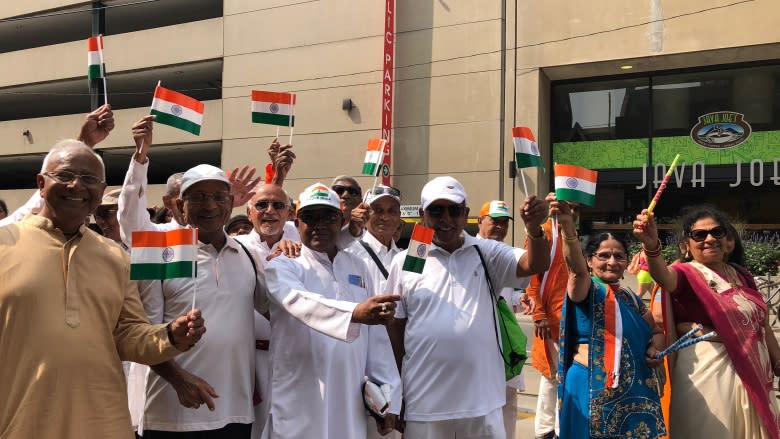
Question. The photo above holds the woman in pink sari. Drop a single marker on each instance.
(722, 387)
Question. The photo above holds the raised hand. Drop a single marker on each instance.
(645, 229)
(282, 163)
(242, 185)
(142, 136)
(533, 212)
(97, 125)
(358, 219)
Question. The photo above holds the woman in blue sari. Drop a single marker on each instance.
(608, 338)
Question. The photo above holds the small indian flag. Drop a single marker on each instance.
(96, 68)
(574, 183)
(163, 255)
(273, 108)
(372, 164)
(177, 110)
(526, 149)
(418, 248)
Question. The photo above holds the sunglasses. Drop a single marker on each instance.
(339, 189)
(700, 235)
(277, 205)
(605, 256)
(381, 190)
(455, 210)
(311, 219)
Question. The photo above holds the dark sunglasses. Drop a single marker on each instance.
(277, 205)
(339, 189)
(455, 210)
(310, 219)
(700, 235)
(381, 190)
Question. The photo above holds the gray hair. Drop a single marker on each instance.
(67, 144)
(351, 180)
(173, 185)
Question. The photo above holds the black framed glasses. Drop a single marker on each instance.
(201, 197)
(310, 219)
(605, 256)
(67, 177)
(381, 190)
(262, 205)
(351, 190)
(700, 235)
(455, 210)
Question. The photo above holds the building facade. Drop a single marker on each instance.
(465, 72)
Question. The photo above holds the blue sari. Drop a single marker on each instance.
(588, 408)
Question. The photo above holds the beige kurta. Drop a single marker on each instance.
(68, 315)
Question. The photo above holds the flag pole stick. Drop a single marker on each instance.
(522, 179)
(195, 267)
(103, 71)
(292, 124)
(277, 132)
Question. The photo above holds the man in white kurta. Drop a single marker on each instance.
(453, 372)
(321, 344)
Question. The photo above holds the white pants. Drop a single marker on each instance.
(510, 412)
(490, 426)
(546, 407)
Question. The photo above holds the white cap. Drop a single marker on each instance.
(382, 191)
(318, 195)
(442, 188)
(202, 173)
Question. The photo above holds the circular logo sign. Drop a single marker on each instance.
(571, 182)
(385, 170)
(176, 110)
(167, 254)
(421, 250)
(274, 107)
(722, 129)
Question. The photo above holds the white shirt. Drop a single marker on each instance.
(225, 358)
(34, 204)
(452, 367)
(132, 212)
(319, 356)
(385, 256)
(260, 251)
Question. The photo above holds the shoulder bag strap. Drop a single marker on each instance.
(251, 259)
(374, 257)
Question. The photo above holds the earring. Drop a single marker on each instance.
(688, 254)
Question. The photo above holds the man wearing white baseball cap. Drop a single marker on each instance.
(322, 347)
(444, 327)
(229, 288)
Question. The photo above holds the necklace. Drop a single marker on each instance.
(731, 276)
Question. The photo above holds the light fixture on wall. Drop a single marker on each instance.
(347, 105)
(27, 134)
(626, 67)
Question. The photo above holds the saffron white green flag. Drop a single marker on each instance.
(177, 110)
(526, 149)
(163, 255)
(375, 154)
(96, 68)
(273, 108)
(418, 248)
(575, 183)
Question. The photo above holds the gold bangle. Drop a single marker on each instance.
(654, 252)
(568, 238)
(537, 237)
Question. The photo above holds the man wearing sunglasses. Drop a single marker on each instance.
(355, 212)
(322, 343)
(444, 327)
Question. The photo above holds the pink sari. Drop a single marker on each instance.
(738, 315)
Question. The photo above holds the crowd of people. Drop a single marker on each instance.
(301, 308)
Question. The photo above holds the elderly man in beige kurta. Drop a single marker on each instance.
(69, 314)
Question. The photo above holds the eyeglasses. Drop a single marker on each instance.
(201, 197)
(277, 205)
(605, 256)
(105, 213)
(381, 190)
(700, 235)
(455, 210)
(351, 190)
(311, 219)
(67, 177)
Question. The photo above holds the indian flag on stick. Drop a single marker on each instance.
(574, 183)
(372, 164)
(164, 255)
(273, 108)
(96, 68)
(418, 248)
(177, 110)
(526, 149)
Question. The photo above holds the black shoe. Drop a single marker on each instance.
(548, 435)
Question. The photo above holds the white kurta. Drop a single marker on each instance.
(319, 356)
(260, 251)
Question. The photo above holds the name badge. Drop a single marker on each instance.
(356, 280)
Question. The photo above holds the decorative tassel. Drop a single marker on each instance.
(270, 173)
